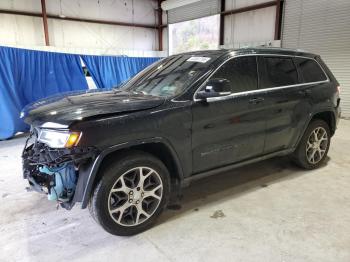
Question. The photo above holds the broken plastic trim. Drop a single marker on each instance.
(38, 157)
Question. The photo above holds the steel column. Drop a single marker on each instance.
(160, 26)
(222, 23)
(249, 8)
(44, 15)
(278, 20)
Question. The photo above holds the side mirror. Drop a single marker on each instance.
(215, 87)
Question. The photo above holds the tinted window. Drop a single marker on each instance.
(170, 76)
(241, 72)
(278, 72)
(310, 70)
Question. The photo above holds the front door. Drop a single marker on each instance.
(232, 128)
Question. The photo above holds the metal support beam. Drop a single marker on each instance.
(160, 26)
(44, 15)
(11, 12)
(222, 23)
(249, 8)
(278, 20)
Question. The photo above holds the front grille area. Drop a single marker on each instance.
(54, 172)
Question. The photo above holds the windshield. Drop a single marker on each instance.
(170, 76)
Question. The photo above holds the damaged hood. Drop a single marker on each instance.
(74, 106)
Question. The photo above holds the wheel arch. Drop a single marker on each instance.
(329, 117)
(158, 147)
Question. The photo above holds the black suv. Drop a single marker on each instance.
(126, 152)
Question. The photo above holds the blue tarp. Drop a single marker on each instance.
(27, 75)
(109, 71)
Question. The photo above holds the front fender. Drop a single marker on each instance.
(88, 176)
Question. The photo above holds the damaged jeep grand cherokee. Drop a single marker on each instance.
(126, 152)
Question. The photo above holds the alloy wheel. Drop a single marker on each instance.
(316, 146)
(135, 196)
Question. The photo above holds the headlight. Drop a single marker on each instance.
(59, 139)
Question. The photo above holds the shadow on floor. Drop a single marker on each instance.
(234, 183)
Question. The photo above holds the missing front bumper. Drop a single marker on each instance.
(57, 172)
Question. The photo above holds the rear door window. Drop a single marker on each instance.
(310, 70)
(277, 71)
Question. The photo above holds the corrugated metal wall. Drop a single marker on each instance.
(193, 11)
(19, 30)
(252, 26)
(322, 27)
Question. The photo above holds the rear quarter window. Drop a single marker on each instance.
(310, 70)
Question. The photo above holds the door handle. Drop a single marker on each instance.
(305, 92)
(256, 100)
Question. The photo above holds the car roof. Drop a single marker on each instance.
(273, 50)
(254, 50)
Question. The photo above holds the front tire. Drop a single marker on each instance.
(131, 194)
(314, 145)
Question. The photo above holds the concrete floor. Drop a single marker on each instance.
(270, 211)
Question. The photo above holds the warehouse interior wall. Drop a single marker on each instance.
(253, 26)
(249, 27)
(245, 28)
(91, 38)
(322, 27)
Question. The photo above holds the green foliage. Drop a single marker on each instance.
(197, 34)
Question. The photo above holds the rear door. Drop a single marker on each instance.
(286, 99)
(316, 87)
(231, 128)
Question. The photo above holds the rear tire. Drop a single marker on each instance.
(313, 146)
(131, 194)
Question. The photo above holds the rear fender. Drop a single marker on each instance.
(311, 117)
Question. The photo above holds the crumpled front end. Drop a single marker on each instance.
(56, 172)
